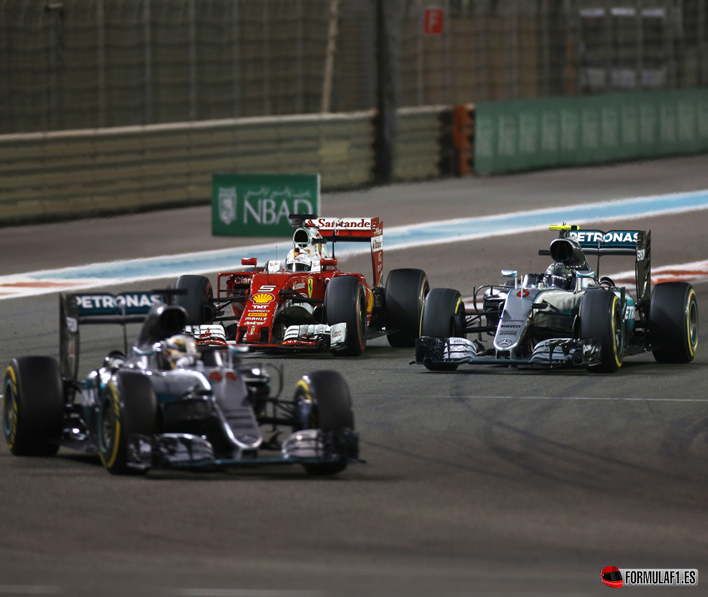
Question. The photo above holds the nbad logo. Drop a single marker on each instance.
(271, 206)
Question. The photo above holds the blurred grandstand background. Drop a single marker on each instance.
(78, 64)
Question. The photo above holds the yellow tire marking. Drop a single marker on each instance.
(116, 437)
(13, 434)
(457, 307)
(614, 331)
(692, 348)
(305, 388)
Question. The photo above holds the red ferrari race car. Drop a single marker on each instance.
(305, 302)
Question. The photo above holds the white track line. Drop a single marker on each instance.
(247, 593)
(564, 398)
(401, 237)
(29, 590)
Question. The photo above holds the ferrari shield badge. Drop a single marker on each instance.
(227, 204)
(310, 284)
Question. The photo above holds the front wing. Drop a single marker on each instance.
(436, 353)
(188, 451)
(297, 337)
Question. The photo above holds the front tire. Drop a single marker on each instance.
(128, 407)
(444, 314)
(198, 300)
(330, 411)
(673, 320)
(406, 290)
(33, 406)
(443, 317)
(601, 318)
(345, 302)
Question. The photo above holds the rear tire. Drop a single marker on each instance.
(128, 407)
(406, 290)
(673, 320)
(345, 302)
(198, 301)
(443, 317)
(601, 319)
(33, 406)
(331, 411)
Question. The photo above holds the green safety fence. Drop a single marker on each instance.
(546, 132)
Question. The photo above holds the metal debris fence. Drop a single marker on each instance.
(84, 64)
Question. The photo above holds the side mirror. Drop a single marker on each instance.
(326, 262)
(249, 261)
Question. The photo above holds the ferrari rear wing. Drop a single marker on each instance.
(636, 243)
(100, 308)
(352, 230)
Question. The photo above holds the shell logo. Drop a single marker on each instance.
(262, 298)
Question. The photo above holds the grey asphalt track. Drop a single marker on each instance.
(487, 481)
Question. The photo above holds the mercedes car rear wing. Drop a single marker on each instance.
(636, 243)
(99, 308)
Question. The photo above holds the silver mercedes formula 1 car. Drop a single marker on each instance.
(165, 404)
(567, 316)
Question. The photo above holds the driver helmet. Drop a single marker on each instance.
(298, 261)
(558, 276)
(180, 351)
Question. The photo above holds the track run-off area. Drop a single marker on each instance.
(485, 481)
(441, 232)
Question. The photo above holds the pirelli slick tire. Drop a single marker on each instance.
(673, 322)
(330, 410)
(406, 290)
(198, 299)
(443, 314)
(345, 302)
(443, 317)
(33, 406)
(127, 407)
(601, 319)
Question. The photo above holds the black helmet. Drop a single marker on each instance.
(558, 276)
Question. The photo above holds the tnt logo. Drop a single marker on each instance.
(611, 576)
(433, 20)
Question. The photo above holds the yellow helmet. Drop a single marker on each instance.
(179, 346)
